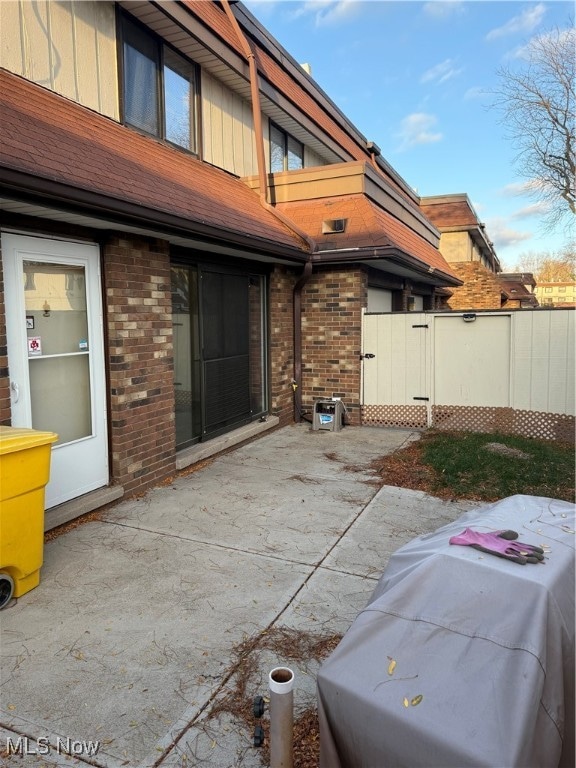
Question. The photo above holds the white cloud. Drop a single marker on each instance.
(536, 210)
(442, 72)
(416, 129)
(502, 235)
(519, 188)
(559, 38)
(525, 23)
(327, 11)
(476, 92)
(443, 10)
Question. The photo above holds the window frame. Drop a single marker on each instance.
(124, 18)
(287, 137)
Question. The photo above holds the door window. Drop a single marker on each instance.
(58, 349)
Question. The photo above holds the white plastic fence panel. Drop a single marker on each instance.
(543, 361)
(472, 360)
(397, 373)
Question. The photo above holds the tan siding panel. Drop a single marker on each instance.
(64, 51)
(11, 48)
(227, 128)
(35, 43)
(69, 47)
(86, 54)
(107, 60)
(312, 159)
(228, 123)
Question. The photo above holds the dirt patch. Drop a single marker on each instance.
(405, 469)
(505, 450)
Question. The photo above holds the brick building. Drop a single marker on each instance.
(191, 230)
(556, 294)
(465, 244)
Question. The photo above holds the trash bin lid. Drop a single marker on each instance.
(19, 438)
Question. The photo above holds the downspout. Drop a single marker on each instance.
(265, 201)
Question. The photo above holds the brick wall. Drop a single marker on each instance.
(332, 337)
(5, 407)
(138, 308)
(281, 310)
(481, 289)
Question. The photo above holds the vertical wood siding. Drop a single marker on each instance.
(227, 134)
(69, 47)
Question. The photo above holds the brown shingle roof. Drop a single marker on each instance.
(368, 226)
(449, 214)
(268, 67)
(46, 135)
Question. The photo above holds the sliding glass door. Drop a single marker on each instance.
(219, 350)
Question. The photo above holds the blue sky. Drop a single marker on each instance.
(414, 77)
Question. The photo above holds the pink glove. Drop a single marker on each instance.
(500, 543)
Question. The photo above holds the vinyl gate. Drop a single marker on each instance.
(509, 372)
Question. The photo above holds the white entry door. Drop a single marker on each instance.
(56, 356)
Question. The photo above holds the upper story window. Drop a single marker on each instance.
(159, 87)
(286, 154)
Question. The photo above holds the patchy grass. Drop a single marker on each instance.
(484, 467)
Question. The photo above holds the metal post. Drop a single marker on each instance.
(281, 680)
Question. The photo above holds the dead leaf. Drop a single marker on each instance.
(391, 666)
(406, 702)
(416, 700)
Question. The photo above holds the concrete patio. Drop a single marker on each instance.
(129, 639)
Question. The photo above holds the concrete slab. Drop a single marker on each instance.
(393, 518)
(132, 636)
(129, 634)
(293, 516)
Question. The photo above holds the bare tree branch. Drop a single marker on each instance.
(538, 106)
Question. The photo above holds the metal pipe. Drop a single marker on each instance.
(264, 200)
(281, 681)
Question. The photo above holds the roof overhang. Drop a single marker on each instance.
(24, 194)
(387, 259)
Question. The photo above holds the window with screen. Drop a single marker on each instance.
(159, 87)
(286, 153)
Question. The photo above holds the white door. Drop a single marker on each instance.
(56, 356)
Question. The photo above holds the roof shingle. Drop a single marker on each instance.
(51, 137)
(368, 226)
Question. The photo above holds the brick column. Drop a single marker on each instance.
(139, 315)
(281, 310)
(332, 337)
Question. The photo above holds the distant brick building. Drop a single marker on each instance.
(556, 294)
(465, 244)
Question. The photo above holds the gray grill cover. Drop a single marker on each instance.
(487, 643)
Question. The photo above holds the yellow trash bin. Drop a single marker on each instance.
(24, 473)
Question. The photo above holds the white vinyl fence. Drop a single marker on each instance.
(506, 371)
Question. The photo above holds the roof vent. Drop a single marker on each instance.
(333, 226)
